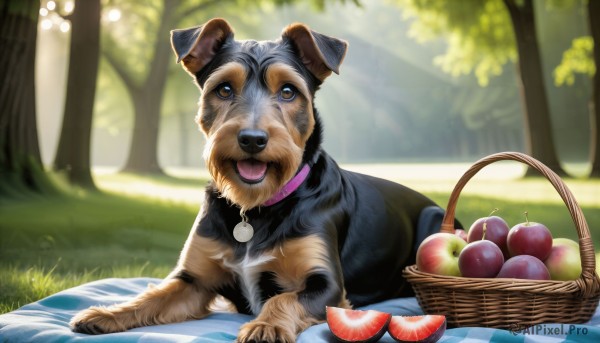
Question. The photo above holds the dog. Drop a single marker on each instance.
(283, 231)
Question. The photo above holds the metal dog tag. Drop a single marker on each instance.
(243, 232)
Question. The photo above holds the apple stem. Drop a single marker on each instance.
(494, 211)
(526, 219)
(485, 223)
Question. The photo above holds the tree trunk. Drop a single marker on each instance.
(143, 152)
(73, 154)
(21, 168)
(147, 100)
(594, 21)
(538, 125)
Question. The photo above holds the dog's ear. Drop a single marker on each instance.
(321, 54)
(197, 46)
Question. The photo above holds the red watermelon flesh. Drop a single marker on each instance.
(357, 326)
(422, 329)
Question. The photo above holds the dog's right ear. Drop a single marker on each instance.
(320, 54)
(197, 46)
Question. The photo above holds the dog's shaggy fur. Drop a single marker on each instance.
(339, 239)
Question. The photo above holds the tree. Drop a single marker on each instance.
(594, 22)
(583, 57)
(537, 112)
(146, 91)
(21, 168)
(73, 154)
(483, 36)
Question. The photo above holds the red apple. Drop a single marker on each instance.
(529, 238)
(480, 259)
(461, 233)
(564, 261)
(496, 230)
(524, 267)
(438, 254)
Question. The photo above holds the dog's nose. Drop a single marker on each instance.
(253, 141)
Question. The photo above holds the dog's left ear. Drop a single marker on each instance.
(321, 54)
(197, 46)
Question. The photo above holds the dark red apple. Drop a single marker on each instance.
(529, 238)
(524, 267)
(496, 230)
(480, 259)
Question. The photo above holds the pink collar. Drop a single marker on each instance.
(289, 187)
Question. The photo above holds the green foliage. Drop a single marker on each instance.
(481, 40)
(130, 39)
(561, 4)
(577, 59)
(28, 8)
(321, 5)
(317, 5)
(479, 34)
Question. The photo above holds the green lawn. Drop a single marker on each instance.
(49, 244)
(137, 227)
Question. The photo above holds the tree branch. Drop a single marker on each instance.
(121, 71)
(189, 10)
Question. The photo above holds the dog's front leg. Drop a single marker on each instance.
(185, 294)
(280, 320)
(173, 300)
(310, 274)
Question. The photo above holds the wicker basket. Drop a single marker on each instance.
(511, 303)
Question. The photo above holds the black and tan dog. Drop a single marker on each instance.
(283, 231)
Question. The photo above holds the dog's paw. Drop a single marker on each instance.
(258, 332)
(95, 321)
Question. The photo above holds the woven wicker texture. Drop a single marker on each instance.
(511, 303)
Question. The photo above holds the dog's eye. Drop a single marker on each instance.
(224, 91)
(288, 92)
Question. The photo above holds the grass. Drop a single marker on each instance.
(49, 244)
(137, 226)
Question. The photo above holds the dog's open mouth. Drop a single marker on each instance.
(251, 170)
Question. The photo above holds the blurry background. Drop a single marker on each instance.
(408, 91)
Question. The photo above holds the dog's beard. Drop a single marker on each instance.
(222, 153)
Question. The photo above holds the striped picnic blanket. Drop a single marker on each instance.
(47, 321)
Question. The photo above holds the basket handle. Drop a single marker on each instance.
(586, 246)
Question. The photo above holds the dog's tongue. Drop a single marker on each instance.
(251, 169)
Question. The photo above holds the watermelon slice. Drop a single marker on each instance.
(357, 326)
(422, 329)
